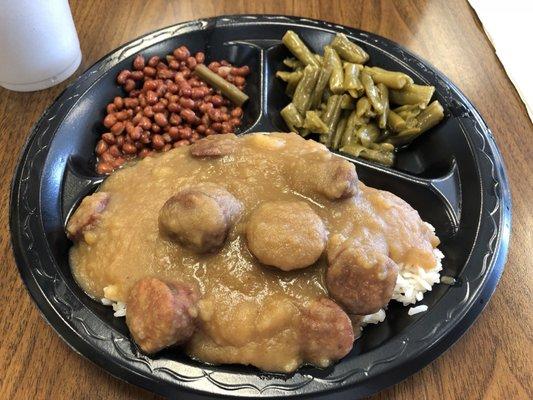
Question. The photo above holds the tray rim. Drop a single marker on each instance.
(50, 314)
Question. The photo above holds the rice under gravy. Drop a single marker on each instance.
(412, 282)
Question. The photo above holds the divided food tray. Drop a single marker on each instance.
(453, 175)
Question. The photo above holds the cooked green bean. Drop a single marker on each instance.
(304, 89)
(292, 117)
(404, 137)
(339, 131)
(288, 76)
(348, 135)
(367, 134)
(395, 122)
(431, 116)
(355, 93)
(314, 123)
(408, 111)
(291, 88)
(348, 50)
(323, 80)
(292, 79)
(393, 79)
(348, 105)
(363, 106)
(229, 90)
(412, 94)
(348, 102)
(382, 157)
(381, 146)
(351, 77)
(299, 49)
(331, 115)
(372, 92)
(293, 63)
(384, 95)
(336, 79)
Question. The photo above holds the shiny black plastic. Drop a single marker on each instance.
(453, 175)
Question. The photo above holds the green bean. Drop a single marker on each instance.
(367, 134)
(356, 93)
(292, 117)
(314, 123)
(381, 146)
(292, 79)
(339, 131)
(393, 79)
(404, 137)
(293, 63)
(412, 94)
(229, 90)
(348, 102)
(348, 50)
(372, 92)
(431, 116)
(351, 77)
(288, 76)
(349, 130)
(331, 115)
(363, 106)
(337, 75)
(291, 88)
(382, 157)
(302, 94)
(299, 49)
(395, 122)
(408, 111)
(384, 95)
(323, 80)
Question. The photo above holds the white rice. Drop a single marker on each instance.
(417, 309)
(119, 307)
(411, 284)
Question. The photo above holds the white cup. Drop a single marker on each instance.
(39, 46)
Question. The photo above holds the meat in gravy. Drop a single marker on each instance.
(249, 250)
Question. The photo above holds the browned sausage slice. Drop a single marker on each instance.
(361, 278)
(327, 332)
(214, 146)
(199, 217)
(87, 214)
(286, 234)
(160, 314)
(325, 174)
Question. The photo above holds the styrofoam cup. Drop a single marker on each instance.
(39, 46)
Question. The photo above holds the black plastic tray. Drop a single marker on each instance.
(453, 175)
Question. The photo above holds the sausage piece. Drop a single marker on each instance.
(325, 174)
(286, 234)
(327, 332)
(199, 217)
(160, 314)
(360, 276)
(87, 214)
(214, 146)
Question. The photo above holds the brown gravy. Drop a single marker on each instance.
(248, 311)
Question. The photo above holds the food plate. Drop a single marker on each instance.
(453, 176)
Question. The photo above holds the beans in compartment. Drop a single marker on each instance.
(166, 104)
